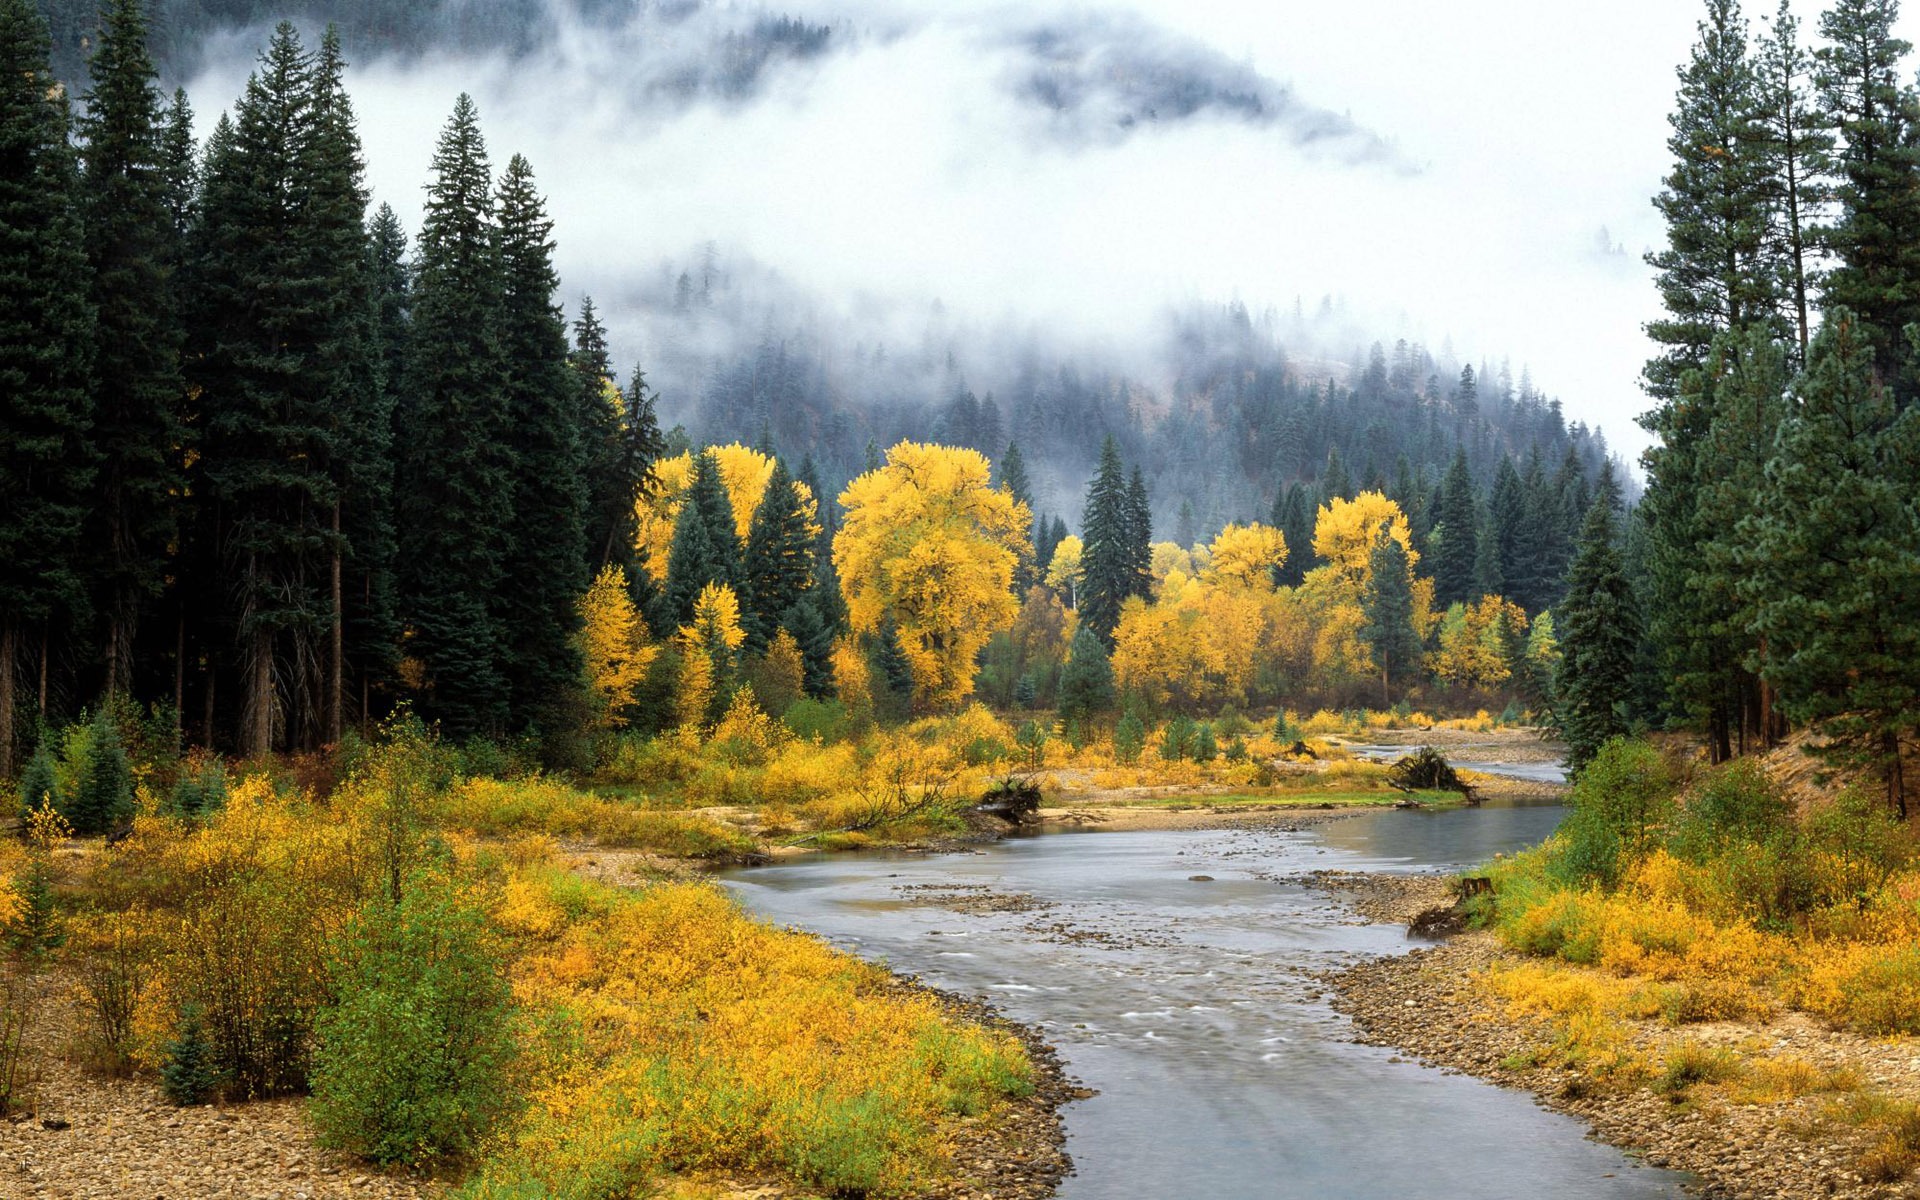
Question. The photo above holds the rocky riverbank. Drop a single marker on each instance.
(1742, 1143)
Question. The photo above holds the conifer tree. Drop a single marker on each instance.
(1831, 556)
(1334, 483)
(456, 499)
(46, 347)
(1012, 474)
(138, 391)
(826, 601)
(1711, 276)
(180, 168)
(1139, 536)
(1488, 578)
(268, 428)
(1388, 603)
(1453, 560)
(706, 546)
(777, 563)
(1293, 516)
(347, 370)
(547, 556)
(1086, 685)
(815, 638)
(639, 447)
(1107, 529)
(1598, 627)
(1876, 234)
(1796, 154)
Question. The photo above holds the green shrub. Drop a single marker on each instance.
(1689, 1062)
(1861, 842)
(1176, 739)
(101, 795)
(1129, 739)
(39, 783)
(822, 719)
(201, 788)
(188, 1074)
(1738, 803)
(410, 1062)
(1619, 801)
(1205, 747)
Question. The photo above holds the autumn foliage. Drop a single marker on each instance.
(931, 546)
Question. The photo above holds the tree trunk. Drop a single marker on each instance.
(259, 739)
(120, 635)
(44, 638)
(180, 680)
(1896, 777)
(337, 680)
(9, 645)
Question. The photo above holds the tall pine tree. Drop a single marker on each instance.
(1108, 526)
(546, 559)
(1453, 559)
(1598, 625)
(777, 569)
(456, 498)
(46, 346)
(138, 392)
(1388, 604)
(1876, 235)
(1831, 556)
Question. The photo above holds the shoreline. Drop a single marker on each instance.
(1429, 1005)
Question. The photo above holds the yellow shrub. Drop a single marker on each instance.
(497, 808)
(806, 771)
(686, 1035)
(746, 735)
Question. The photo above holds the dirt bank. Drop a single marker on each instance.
(1431, 1004)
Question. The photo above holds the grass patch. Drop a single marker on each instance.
(1687, 1063)
(503, 808)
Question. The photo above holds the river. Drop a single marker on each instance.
(1192, 1007)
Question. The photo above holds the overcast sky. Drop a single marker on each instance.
(909, 168)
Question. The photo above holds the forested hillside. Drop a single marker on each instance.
(281, 466)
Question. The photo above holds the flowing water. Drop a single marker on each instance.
(1192, 1006)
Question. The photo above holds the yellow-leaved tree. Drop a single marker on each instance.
(1203, 640)
(1063, 573)
(744, 472)
(710, 646)
(614, 646)
(931, 544)
(1478, 643)
(1345, 531)
(1344, 535)
(1246, 556)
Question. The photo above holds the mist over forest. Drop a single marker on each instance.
(1224, 403)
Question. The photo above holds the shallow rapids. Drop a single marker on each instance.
(1193, 1008)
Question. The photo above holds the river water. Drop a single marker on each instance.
(1192, 1008)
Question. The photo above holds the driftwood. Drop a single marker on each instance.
(1014, 799)
(1428, 770)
